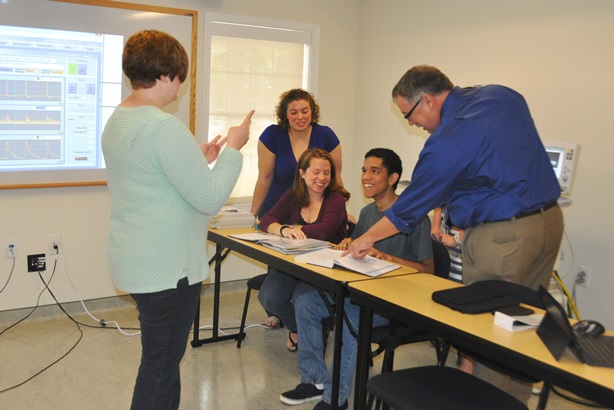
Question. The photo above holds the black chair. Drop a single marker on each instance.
(439, 387)
(388, 338)
(441, 259)
(419, 388)
(351, 226)
(254, 283)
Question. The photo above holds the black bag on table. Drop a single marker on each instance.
(479, 297)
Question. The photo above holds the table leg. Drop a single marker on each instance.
(363, 356)
(339, 306)
(220, 255)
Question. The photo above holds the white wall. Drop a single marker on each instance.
(557, 53)
(80, 214)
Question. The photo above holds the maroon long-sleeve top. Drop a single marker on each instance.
(331, 224)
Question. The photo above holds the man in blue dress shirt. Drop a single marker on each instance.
(485, 160)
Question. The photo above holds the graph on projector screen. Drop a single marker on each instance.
(52, 93)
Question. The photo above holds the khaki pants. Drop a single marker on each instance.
(519, 250)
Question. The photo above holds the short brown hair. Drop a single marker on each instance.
(151, 54)
(421, 79)
(289, 96)
(299, 188)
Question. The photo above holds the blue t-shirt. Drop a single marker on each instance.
(277, 140)
(485, 161)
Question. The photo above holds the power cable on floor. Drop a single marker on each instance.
(103, 324)
(60, 306)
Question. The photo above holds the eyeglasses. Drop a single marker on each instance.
(406, 116)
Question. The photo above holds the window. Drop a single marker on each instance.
(250, 62)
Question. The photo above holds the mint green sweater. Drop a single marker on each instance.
(162, 196)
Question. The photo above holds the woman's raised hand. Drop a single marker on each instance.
(212, 148)
(239, 134)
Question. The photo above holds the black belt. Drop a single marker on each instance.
(536, 211)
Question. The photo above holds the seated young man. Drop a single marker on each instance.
(380, 174)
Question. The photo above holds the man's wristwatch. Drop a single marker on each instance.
(457, 239)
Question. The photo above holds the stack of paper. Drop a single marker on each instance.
(514, 323)
(295, 246)
(232, 217)
(284, 245)
(256, 236)
(330, 257)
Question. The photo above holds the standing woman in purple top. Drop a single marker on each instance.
(281, 145)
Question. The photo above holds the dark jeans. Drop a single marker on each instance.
(166, 318)
(275, 296)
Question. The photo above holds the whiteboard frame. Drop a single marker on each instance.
(193, 15)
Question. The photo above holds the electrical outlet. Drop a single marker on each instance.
(583, 275)
(10, 248)
(54, 240)
(37, 262)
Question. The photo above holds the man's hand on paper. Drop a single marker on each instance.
(359, 247)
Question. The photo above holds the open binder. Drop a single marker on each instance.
(330, 258)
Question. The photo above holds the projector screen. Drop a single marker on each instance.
(61, 78)
(57, 88)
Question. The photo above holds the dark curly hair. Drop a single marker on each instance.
(151, 54)
(289, 96)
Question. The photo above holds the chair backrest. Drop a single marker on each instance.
(441, 258)
(351, 226)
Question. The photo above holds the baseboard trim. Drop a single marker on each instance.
(8, 317)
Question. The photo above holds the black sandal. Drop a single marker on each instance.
(292, 346)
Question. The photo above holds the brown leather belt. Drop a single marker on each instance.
(536, 211)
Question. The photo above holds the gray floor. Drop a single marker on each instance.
(99, 372)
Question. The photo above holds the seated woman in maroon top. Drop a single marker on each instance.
(313, 208)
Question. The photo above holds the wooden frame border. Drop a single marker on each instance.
(193, 63)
